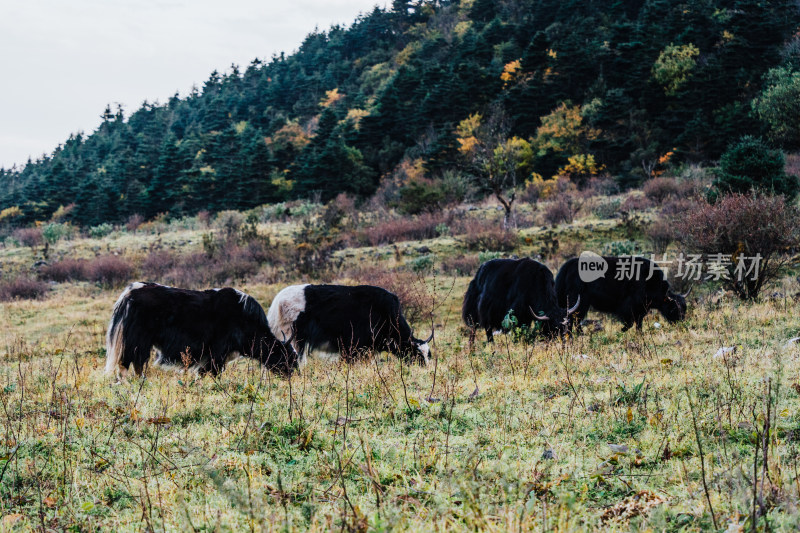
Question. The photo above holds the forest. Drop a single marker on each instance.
(402, 102)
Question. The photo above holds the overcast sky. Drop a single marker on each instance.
(62, 61)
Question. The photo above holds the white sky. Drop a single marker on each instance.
(62, 61)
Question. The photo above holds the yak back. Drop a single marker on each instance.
(520, 285)
(359, 316)
(608, 294)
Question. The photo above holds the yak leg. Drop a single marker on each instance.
(489, 335)
(639, 323)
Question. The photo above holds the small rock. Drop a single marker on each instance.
(549, 454)
(724, 350)
(656, 325)
(618, 448)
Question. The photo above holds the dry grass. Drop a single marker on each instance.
(366, 446)
(595, 434)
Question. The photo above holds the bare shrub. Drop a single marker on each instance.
(661, 189)
(134, 221)
(204, 217)
(607, 208)
(109, 271)
(563, 209)
(636, 202)
(739, 226)
(65, 270)
(463, 265)
(28, 236)
(346, 204)
(22, 288)
(229, 223)
(403, 229)
(676, 206)
(157, 264)
(495, 239)
(601, 186)
(661, 233)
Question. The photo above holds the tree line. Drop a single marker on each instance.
(579, 88)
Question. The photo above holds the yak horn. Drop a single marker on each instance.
(429, 339)
(290, 338)
(574, 307)
(686, 294)
(537, 317)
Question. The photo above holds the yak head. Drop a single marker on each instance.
(414, 350)
(673, 305)
(257, 341)
(558, 321)
(278, 356)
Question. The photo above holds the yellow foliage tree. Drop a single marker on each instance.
(510, 72)
(331, 97)
(674, 66)
(494, 158)
(10, 213)
(580, 167)
(563, 131)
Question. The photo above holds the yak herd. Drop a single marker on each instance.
(203, 330)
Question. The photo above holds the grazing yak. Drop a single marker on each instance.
(629, 299)
(197, 329)
(344, 321)
(523, 286)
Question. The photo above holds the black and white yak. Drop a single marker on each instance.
(629, 298)
(200, 330)
(523, 286)
(344, 321)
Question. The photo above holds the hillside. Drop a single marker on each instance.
(658, 430)
(619, 87)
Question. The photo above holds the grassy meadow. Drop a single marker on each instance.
(658, 430)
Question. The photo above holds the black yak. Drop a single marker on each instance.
(642, 286)
(523, 286)
(344, 321)
(197, 329)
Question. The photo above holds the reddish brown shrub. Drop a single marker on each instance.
(157, 264)
(660, 189)
(403, 229)
(741, 225)
(601, 186)
(495, 239)
(661, 233)
(29, 236)
(463, 265)
(677, 206)
(204, 217)
(109, 271)
(65, 270)
(636, 202)
(230, 263)
(22, 288)
(563, 209)
(134, 221)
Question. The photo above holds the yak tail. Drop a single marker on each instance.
(469, 309)
(115, 336)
